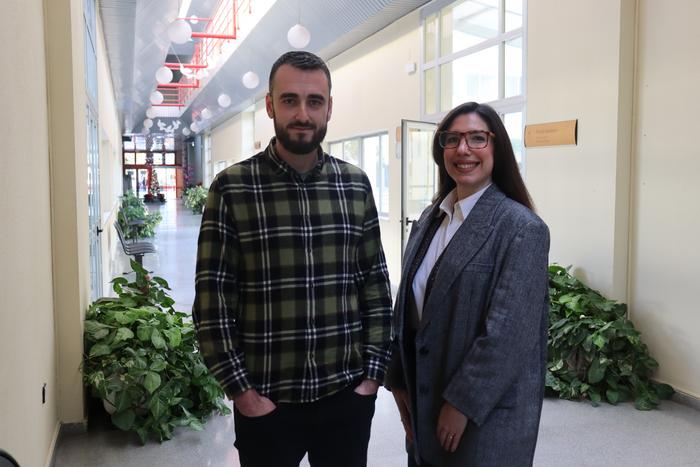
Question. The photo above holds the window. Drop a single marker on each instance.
(473, 51)
(371, 153)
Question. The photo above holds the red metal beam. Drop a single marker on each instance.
(207, 35)
(176, 66)
(178, 85)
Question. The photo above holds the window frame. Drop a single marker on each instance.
(502, 105)
(383, 212)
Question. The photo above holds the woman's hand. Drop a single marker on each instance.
(404, 405)
(450, 427)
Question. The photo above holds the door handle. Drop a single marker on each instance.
(98, 230)
(408, 221)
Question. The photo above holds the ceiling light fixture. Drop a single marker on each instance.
(179, 31)
(164, 75)
(156, 98)
(224, 100)
(298, 36)
(250, 80)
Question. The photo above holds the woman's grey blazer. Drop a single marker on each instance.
(481, 344)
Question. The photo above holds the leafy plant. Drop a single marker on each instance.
(142, 359)
(595, 352)
(195, 198)
(131, 209)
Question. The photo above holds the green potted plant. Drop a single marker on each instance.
(142, 360)
(595, 352)
(133, 209)
(195, 198)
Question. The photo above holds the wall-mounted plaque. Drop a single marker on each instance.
(551, 134)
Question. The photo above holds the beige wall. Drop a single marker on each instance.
(665, 213)
(371, 93)
(27, 345)
(621, 205)
(264, 128)
(578, 68)
(67, 143)
(226, 142)
(110, 159)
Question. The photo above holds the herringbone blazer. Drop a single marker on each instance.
(482, 341)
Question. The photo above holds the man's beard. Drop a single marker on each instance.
(300, 146)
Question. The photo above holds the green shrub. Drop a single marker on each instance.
(142, 359)
(132, 208)
(595, 352)
(195, 198)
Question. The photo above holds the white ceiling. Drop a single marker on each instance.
(137, 45)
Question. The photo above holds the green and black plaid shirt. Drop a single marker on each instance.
(292, 290)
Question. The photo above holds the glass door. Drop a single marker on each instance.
(418, 173)
(94, 212)
(142, 182)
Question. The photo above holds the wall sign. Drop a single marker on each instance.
(551, 134)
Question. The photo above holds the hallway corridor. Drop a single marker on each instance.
(571, 434)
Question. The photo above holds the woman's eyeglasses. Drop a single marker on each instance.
(476, 139)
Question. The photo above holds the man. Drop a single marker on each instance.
(292, 306)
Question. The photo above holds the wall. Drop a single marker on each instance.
(372, 92)
(68, 161)
(621, 205)
(583, 75)
(665, 215)
(110, 159)
(27, 345)
(264, 128)
(226, 140)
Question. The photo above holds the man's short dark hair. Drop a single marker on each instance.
(303, 61)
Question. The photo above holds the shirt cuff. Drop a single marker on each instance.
(232, 378)
(375, 368)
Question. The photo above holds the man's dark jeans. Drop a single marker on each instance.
(333, 430)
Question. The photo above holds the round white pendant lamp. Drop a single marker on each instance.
(150, 112)
(224, 100)
(250, 80)
(206, 113)
(164, 75)
(194, 127)
(179, 31)
(194, 19)
(298, 36)
(186, 131)
(156, 98)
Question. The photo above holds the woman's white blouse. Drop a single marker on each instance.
(456, 212)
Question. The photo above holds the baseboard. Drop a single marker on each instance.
(686, 399)
(63, 429)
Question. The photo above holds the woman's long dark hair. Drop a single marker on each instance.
(506, 174)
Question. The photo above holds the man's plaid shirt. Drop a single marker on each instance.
(292, 290)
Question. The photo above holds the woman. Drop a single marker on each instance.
(468, 367)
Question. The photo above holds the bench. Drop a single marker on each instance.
(135, 249)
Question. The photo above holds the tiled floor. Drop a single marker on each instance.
(571, 434)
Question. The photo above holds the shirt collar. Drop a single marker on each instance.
(282, 166)
(462, 207)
